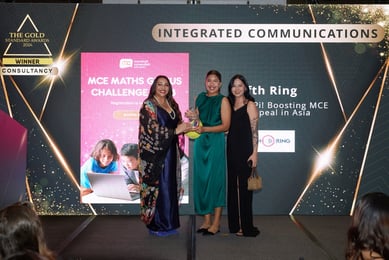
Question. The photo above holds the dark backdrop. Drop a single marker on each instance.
(50, 110)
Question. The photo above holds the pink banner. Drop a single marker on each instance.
(113, 87)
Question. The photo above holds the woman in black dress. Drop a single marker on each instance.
(242, 144)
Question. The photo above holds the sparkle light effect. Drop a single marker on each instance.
(332, 77)
(61, 63)
(370, 136)
(324, 160)
(50, 140)
(329, 69)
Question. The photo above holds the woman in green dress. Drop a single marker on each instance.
(209, 180)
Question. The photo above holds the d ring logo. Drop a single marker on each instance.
(268, 140)
(276, 141)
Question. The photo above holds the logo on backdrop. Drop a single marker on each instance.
(276, 141)
(126, 63)
(27, 52)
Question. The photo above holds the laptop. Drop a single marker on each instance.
(111, 186)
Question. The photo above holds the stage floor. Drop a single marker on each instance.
(125, 237)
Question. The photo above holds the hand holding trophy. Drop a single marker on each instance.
(194, 119)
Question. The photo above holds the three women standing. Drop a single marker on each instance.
(242, 144)
(160, 123)
(209, 187)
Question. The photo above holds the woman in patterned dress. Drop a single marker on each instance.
(160, 123)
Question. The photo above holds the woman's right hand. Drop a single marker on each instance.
(191, 113)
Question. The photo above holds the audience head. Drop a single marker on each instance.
(368, 235)
(21, 233)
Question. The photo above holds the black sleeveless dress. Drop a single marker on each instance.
(239, 198)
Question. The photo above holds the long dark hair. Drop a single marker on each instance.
(369, 230)
(246, 93)
(169, 95)
(21, 232)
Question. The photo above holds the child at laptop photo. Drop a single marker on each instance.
(103, 159)
(129, 168)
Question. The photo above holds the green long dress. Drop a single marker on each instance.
(209, 178)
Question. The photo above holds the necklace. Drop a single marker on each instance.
(172, 114)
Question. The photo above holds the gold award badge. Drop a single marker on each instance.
(27, 52)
